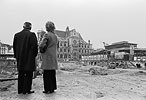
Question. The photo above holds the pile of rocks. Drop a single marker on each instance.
(98, 71)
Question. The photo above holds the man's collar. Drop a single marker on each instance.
(26, 29)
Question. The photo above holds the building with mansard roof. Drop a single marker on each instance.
(71, 45)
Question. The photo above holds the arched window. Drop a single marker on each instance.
(65, 55)
(61, 55)
(60, 43)
(58, 55)
(60, 49)
(64, 50)
(80, 57)
(69, 56)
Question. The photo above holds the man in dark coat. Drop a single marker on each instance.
(25, 50)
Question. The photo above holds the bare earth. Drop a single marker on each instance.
(79, 84)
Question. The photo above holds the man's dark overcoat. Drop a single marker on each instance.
(25, 50)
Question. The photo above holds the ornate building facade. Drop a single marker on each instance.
(71, 45)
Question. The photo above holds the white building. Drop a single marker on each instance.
(6, 48)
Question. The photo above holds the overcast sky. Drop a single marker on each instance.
(96, 20)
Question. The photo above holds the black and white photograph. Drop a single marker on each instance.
(73, 50)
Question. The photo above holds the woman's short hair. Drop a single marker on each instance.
(50, 27)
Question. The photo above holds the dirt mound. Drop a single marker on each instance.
(104, 71)
(68, 66)
(138, 73)
(4, 86)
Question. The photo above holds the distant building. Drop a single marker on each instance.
(6, 48)
(116, 51)
(7, 56)
(125, 48)
(71, 45)
(117, 46)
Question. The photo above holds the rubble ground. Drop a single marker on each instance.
(79, 84)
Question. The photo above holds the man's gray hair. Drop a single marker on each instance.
(27, 25)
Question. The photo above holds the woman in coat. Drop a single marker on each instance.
(49, 58)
